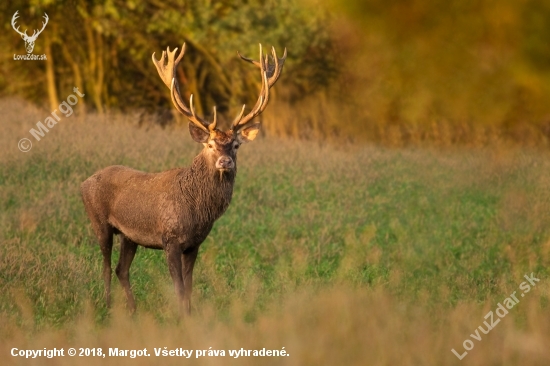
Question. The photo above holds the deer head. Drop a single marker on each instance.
(220, 147)
(29, 41)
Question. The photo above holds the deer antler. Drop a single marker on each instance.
(270, 73)
(166, 68)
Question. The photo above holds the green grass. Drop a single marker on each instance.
(438, 228)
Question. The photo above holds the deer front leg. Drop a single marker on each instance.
(127, 252)
(174, 260)
(189, 258)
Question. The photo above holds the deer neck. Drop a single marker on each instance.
(209, 191)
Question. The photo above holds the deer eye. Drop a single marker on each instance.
(237, 146)
(210, 146)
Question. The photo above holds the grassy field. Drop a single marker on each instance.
(356, 255)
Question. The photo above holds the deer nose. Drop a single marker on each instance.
(225, 162)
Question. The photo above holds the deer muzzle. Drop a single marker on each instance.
(225, 163)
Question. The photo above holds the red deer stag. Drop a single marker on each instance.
(176, 209)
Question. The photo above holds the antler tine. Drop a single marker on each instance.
(212, 126)
(238, 118)
(249, 60)
(180, 56)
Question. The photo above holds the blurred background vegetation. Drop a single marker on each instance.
(396, 72)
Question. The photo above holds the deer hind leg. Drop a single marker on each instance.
(102, 230)
(105, 236)
(188, 260)
(127, 252)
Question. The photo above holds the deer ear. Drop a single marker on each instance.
(197, 134)
(249, 133)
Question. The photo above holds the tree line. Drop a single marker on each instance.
(404, 70)
(104, 47)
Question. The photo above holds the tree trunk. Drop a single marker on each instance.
(76, 74)
(50, 76)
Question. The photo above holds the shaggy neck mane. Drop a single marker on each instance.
(208, 192)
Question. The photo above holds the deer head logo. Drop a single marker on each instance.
(29, 41)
